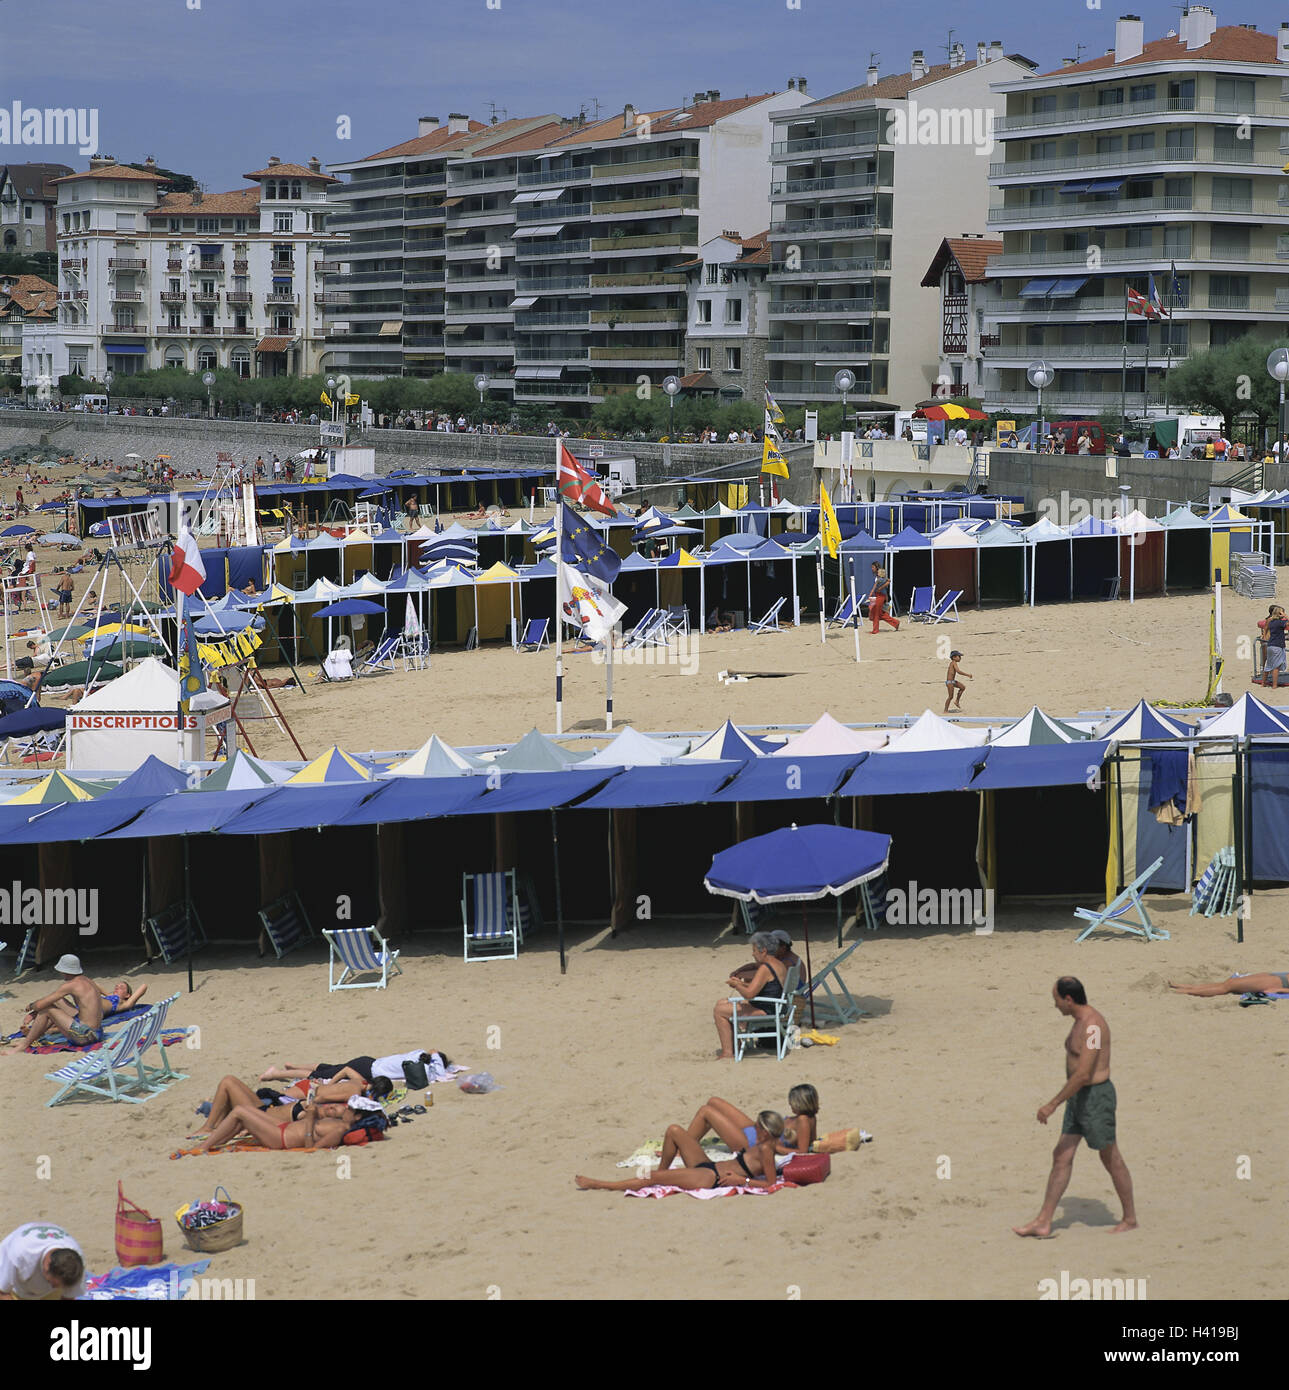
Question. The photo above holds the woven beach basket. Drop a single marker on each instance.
(222, 1235)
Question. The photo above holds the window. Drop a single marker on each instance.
(1177, 188)
(208, 225)
(295, 189)
(270, 189)
(175, 357)
(711, 274)
(240, 361)
(704, 313)
(207, 359)
(208, 321)
(1146, 92)
(1228, 292)
(27, 211)
(176, 286)
(733, 359)
(1042, 196)
(239, 225)
(1111, 97)
(733, 311)
(1232, 195)
(703, 359)
(1228, 241)
(1234, 95)
(1177, 242)
(1042, 149)
(1134, 238)
(1141, 140)
(1109, 144)
(208, 287)
(283, 221)
(1047, 102)
(125, 222)
(176, 319)
(283, 323)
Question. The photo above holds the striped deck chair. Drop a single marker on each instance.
(946, 610)
(1128, 901)
(26, 952)
(1216, 895)
(645, 631)
(383, 658)
(774, 1023)
(530, 912)
(534, 638)
(361, 951)
(490, 916)
(833, 1002)
(286, 924)
(770, 622)
(170, 929)
(108, 1071)
(156, 1078)
(844, 616)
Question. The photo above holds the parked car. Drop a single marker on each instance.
(1067, 434)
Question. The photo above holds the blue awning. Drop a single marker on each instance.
(789, 779)
(1105, 185)
(282, 279)
(1036, 289)
(906, 774)
(416, 798)
(1063, 289)
(305, 807)
(125, 349)
(1041, 765)
(681, 784)
(1067, 190)
(541, 791)
(87, 819)
(190, 813)
(211, 250)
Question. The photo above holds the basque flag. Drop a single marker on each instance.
(577, 485)
(187, 569)
(584, 550)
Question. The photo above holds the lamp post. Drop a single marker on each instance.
(107, 391)
(844, 381)
(671, 385)
(208, 381)
(1040, 375)
(1278, 367)
(331, 396)
(481, 385)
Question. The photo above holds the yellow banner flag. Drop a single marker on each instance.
(325, 399)
(829, 531)
(772, 409)
(772, 460)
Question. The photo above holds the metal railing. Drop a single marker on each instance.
(1121, 114)
(1119, 255)
(659, 203)
(821, 306)
(1070, 211)
(555, 354)
(870, 264)
(824, 224)
(546, 175)
(829, 346)
(1120, 159)
(838, 182)
(543, 284)
(636, 168)
(533, 323)
(843, 140)
(551, 212)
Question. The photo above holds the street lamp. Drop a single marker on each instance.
(1278, 367)
(331, 396)
(107, 391)
(844, 381)
(208, 381)
(671, 385)
(481, 385)
(1040, 375)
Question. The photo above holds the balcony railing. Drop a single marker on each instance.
(677, 240)
(134, 263)
(540, 248)
(547, 175)
(80, 292)
(211, 266)
(127, 296)
(1119, 159)
(649, 277)
(666, 355)
(333, 268)
(664, 203)
(638, 168)
(1123, 114)
(662, 314)
(816, 225)
(540, 323)
(843, 140)
(205, 296)
(238, 297)
(239, 267)
(175, 263)
(281, 297)
(422, 246)
(1111, 351)
(423, 340)
(1068, 210)
(838, 182)
(822, 347)
(822, 386)
(552, 212)
(822, 306)
(1061, 309)
(544, 284)
(554, 354)
(129, 330)
(779, 271)
(1125, 254)
(75, 263)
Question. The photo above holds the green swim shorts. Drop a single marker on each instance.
(1090, 1113)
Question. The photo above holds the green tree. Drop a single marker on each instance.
(452, 393)
(1227, 380)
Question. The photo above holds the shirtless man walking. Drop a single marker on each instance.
(81, 1019)
(1089, 1099)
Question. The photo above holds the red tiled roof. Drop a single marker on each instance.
(902, 83)
(698, 381)
(971, 254)
(440, 140)
(114, 171)
(273, 344)
(242, 202)
(36, 180)
(661, 122)
(291, 171)
(1229, 44)
(32, 295)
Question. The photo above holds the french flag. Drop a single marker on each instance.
(187, 570)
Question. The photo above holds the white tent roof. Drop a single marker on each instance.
(368, 584)
(1248, 715)
(930, 732)
(826, 736)
(1044, 529)
(953, 538)
(320, 591)
(151, 685)
(1134, 523)
(1142, 721)
(633, 749)
(434, 758)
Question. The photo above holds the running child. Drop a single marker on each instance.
(952, 683)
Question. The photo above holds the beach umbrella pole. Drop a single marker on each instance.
(805, 931)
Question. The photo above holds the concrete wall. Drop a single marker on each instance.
(1043, 478)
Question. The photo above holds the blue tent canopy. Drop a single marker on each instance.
(72, 820)
(31, 720)
(677, 785)
(907, 774)
(541, 791)
(309, 806)
(153, 778)
(190, 813)
(773, 779)
(1040, 765)
(349, 608)
(416, 798)
(227, 621)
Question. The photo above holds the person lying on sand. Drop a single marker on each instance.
(735, 1130)
(1273, 983)
(746, 1169)
(319, 1127)
(232, 1092)
(120, 997)
(361, 1069)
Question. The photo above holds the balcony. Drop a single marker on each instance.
(662, 314)
(329, 297)
(671, 202)
(640, 168)
(211, 267)
(818, 226)
(333, 267)
(832, 266)
(552, 212)
(283, 297)
(541, 323)
(424, 341)
(781, 308)
(1121, 115)
(554, 354)
(677, 241)
(127, 330)
(1093, 214)
(1121, 255)
(205, 296)
(174, 297)
(990, 340)
(837, 182)
(844, 140)
(542, 249)
(75, 263)
(126, 296)
(370, 217)
(823, 347)
(424, 246)
(420, 217)
(822, 386)
(239, 267)
(551, 284)
(638, 280)
(131, 263)
(175, 263)
(1065, 310)
(665, 356)
(418, 183)
(566, 390)
(549, 174)
(284, 267)
(79, 292)
(1122, 159)
(233, 297)
(1024, 353)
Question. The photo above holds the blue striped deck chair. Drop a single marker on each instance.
(1216, 895)
(834, 1004)
(156, 1078)
(490, 916)
(946, 610)
(530, 912)
(844, 616)
(26, 952)
(107, 1071)
(286, 924)
(774, 1024)
(170, 928)
(383, 658)
(1128, 901)
(360, 951)
(645, 631)
(770, 622)
(534, 638)
(922, 604)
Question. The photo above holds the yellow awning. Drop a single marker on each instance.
(391, 328)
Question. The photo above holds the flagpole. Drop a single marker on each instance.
(608, 682)
(1123, 380)
(559, 626)
(1168, 343)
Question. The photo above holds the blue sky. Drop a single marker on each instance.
(213, 87)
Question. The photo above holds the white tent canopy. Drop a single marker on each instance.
(827, 736)
(136, 716)
(929, 733)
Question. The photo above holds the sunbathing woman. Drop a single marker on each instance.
(121, 998)
(766, 983)
(1275, 983)
(736, 1130)
(357, 1068)
(319, 1127)
(231, 1092)
(746, 1169)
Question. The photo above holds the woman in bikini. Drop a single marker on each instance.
(121, 997)
(231, 1092)
(319, 1127)
(1275, 983)
(736, 1130)
(751, 1166)
(766, 983)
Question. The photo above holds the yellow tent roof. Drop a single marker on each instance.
(56, 787)
(498, 574)
(358, 537)
(687, 561)
(335, 765)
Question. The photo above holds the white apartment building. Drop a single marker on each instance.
(864, 183)
(1153, 156)
(192, 280)
(728, 326)
(958, 272)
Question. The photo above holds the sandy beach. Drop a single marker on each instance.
(962, 1044)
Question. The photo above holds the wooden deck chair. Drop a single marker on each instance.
(286, 924)
(535, 638)
(1128, 901)
(946, 611)
(833, 1002)
(774, 1024)
(360, 951)
(107, 1071)
(156, 1078)
(170, 929)
(384, 656)
(844, 616)
(770, 622)
(490, 916)
(921, 604)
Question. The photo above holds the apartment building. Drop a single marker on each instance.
(192, 280)
(728, 331)
(25, 302)
(1155, 155)
(958, 272)
(27, 199)
(863, 183)
(556, 274)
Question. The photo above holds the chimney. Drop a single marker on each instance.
(713, 95)
(1129, 38)
(872, 74)
(957, 55)
(1282, 45)
(273, 159)
(100, 161)
(458, 123)
(1200, 23)
(628, 118)
(801, 84)
(995, 50)
(980, 54)
(315, 164)
(917, 68)
(427, 125)
(197, 193)
(792, 84)
(150, 163)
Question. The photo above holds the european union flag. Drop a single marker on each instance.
(584, 549)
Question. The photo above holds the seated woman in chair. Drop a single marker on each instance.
(751, 1166)
(767, 983)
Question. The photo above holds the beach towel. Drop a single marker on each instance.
(250, 1146)
(715, 1151)
(1258, 997)
(151, 1282)
(664, 1190)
